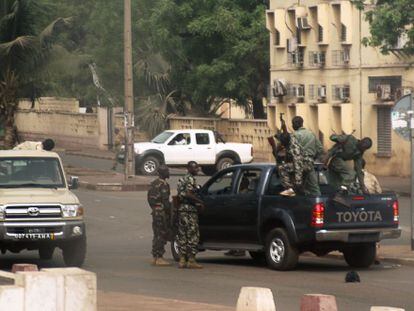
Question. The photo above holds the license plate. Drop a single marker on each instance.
(35, 236)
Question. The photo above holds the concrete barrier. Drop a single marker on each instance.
(318, 302)
(76, 289)
(12, 298)
(255, 299)
(386, 309)
(59, 289)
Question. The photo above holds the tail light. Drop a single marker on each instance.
(318, 214)
(251, 152)
(396, 212)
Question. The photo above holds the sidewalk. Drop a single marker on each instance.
(113, 301)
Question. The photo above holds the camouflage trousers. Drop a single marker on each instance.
(300, 176)
(188, 233)
(340, 174)
(160, 228)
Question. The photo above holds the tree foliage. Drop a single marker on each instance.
(390, 21)
(217, 48)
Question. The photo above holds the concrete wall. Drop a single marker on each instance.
(244, 131)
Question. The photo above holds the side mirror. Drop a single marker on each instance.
(74, 183)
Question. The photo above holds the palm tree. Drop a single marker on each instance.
(24, 49)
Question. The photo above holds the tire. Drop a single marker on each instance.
(224, 163)
(46, 252)
(360, 255)
(259, 257)
(74, 252)
(149, 166)
(209, 170)
(280, 253)
(174, 250)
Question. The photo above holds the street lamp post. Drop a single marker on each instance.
(129, 96)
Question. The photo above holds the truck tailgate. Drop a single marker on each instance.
(361, 211)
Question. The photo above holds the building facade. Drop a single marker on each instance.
(321, 71)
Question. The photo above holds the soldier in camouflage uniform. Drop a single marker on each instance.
(159, 200)
(347, 148)
(188, 231)
(292, 171)
(312, 149)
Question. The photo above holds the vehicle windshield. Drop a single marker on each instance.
(162, 138)
(31, 172)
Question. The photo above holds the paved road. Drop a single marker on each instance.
(119, 238)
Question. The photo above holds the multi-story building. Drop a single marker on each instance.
(321, 71)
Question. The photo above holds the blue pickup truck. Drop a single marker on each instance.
(244, 211)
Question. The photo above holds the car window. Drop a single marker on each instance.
(275, 186)
(181, 139)
(162, 138)
(248, 181)
(202, 139)
(222, 185)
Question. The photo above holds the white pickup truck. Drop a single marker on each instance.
(178, 147)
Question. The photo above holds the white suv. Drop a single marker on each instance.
(178, 147)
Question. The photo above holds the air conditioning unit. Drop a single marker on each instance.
(401, 41)
(406, 91)
(322, 94)
(292, 45)
(346, 57)
(302, 23)
(384, 92)
(319, 58)
(279, 88)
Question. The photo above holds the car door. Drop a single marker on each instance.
(217, 195)
(177, 152)
(245, 205)
(205, 148)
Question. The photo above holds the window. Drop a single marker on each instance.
(394, 81)
(312, 92)
(181, 139)
(384, 131)
(222, 185)
(298, 36)
(162, 138)
(320, 33)
(316, 58)
(249, 181)
(340, 92)
(343, 33)
(276, 37)
(275, 186)
(202, 139)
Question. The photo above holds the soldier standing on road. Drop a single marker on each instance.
(188, 230)
(159, 200)
(347, 148)
(312, 149)
(118, 142)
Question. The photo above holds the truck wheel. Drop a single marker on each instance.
(259, 257)
(46, 252)
(224, 163)
(360, 255)
(209, 170)
(74, 252)
(150, 166)
(174, 250)
(280, 253)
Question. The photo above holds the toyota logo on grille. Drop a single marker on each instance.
(33, 211)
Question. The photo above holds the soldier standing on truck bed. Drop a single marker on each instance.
(159, 200)
(347, 148)
(312, 149)
(188, 230)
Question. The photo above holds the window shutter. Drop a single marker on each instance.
(384, 131)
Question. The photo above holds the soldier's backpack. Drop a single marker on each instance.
(154, 194)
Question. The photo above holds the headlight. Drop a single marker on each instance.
(72, 210)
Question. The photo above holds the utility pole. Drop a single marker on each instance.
(412, 168)
(129, 95)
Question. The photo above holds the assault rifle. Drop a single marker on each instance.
(278, 151)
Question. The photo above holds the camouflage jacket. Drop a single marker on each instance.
(159, 194)
(311, 146)
(299, 160)
(186, 184)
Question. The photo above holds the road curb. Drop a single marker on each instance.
(400, 261)
(94, 156)
(113, 186)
